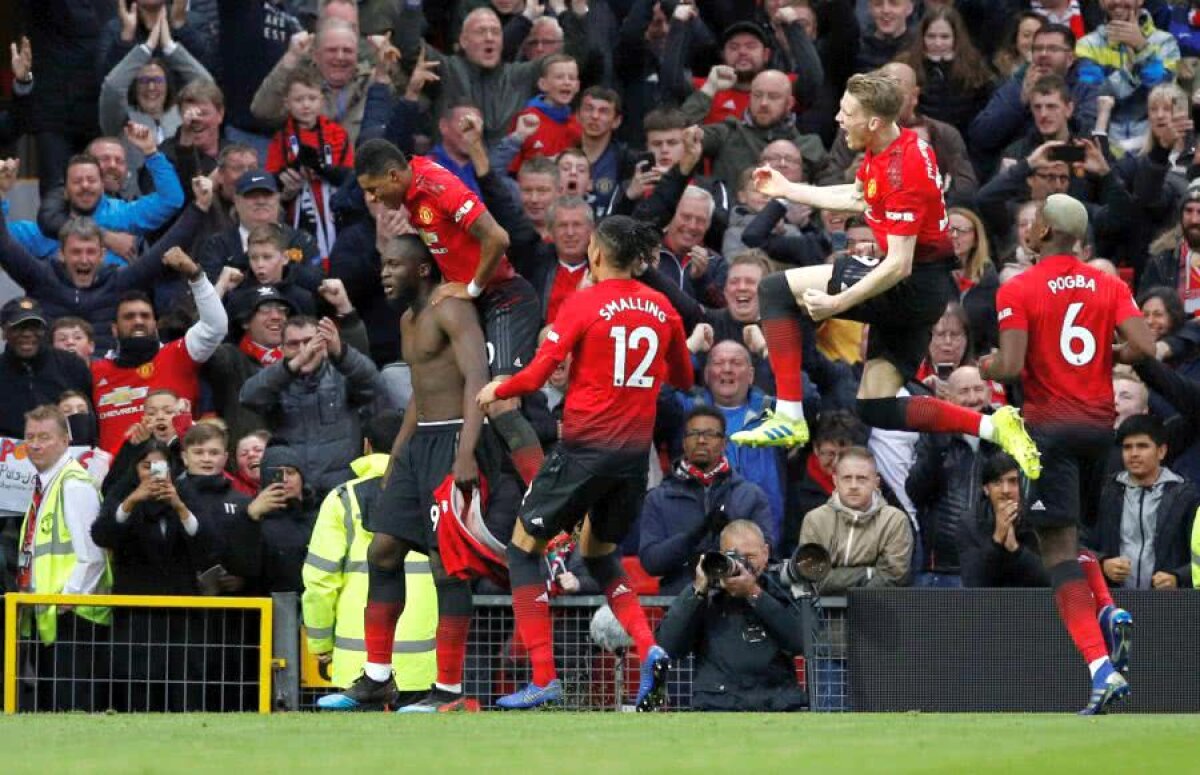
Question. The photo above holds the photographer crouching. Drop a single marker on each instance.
(742, 626)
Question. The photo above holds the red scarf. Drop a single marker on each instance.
(262, 355)
(689, 471)
(818, 475)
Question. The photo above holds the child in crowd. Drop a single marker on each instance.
(558, 127)
(74, 335)
(312, 156)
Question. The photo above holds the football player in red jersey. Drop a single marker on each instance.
(468, 246)
(898, 188)
(443, 434)
(625, 340)
(1056, 322)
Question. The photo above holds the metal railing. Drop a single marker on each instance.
(161, 653)
(241, 654)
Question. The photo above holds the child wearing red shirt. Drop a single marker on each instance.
(312, 156)
(558, 127)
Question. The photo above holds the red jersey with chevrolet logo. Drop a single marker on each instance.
(120, 393)
(903, 191)
(442, 209)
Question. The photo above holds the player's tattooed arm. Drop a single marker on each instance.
(1005, 364)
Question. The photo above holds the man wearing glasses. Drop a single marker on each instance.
(683, 517)
(1008, 114)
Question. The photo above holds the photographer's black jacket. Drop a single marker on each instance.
(744, 650)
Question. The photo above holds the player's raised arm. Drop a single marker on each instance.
(847, 197)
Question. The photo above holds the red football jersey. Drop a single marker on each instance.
(1070, 311)
(551, 138)
(120, 393)
(903, 191)
(626, 340)
(441, 208)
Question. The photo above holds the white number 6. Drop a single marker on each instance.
(1082, 354)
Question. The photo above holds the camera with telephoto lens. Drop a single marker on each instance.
(721, 565)
(809, 564)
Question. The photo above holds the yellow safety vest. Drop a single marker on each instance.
(54, 557)
(1196, 551)
(335, 591)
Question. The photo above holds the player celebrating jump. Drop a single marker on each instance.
(625, 340)
(1056, 322)
(902, 296)
(468, 246)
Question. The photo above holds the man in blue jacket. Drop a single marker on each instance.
(684, 516)
(123, 222)
(78, 284)
(728, 377)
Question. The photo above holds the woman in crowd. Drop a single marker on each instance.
(976, 276)
(142, 87)
(1017, 51)
(955, 80)
(158, 548)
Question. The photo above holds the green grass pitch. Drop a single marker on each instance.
(568, 743)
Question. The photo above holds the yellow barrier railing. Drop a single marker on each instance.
(13, 601)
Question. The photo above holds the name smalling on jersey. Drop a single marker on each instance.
(632, 304)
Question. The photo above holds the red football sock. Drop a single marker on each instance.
(451, 648)
(528, 461)
(531, 608)
(625, 606)
(1095, 578)
(1077, 609)
(785, 350)
(922, 413)
(379, 625)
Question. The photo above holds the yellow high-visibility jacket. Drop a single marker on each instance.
(335, 589)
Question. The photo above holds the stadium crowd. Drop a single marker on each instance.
(200, 300)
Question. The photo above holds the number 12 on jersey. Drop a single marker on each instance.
(641, 335)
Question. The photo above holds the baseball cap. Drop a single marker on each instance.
(21, 310)
(745, 28)
(256, 180)
(265, 294)
(1066, 214)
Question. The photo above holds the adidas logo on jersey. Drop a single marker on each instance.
(621, 590)
(543, 598)
(538, 145)
(1037, 506)
(729, 105)
(517, 362)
